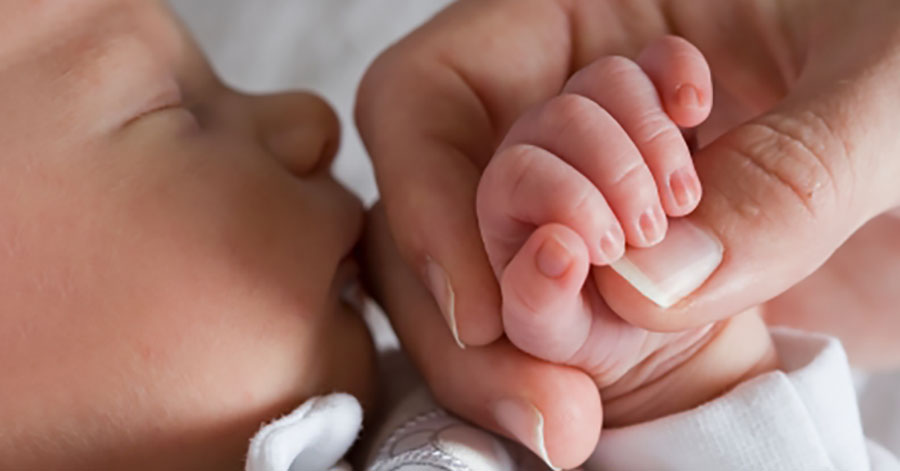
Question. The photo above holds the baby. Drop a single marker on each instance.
(172, 252)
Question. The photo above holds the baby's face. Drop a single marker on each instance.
(172, 253)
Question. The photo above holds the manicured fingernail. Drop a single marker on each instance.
(553, 259)
(525, 422)
(685, 187)
(651, 227)
(673, 269)
(687, 96)
(442, 290)
(612, 245)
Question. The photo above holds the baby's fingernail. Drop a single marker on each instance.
(613, 244)
(553, 258)
(651, 226)
(668, 272)
(685, 187)
(687, 96)
(524, 422)
(442, 290)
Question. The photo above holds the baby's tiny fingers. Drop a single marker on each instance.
(526, 186)
(621, 87)
(584, 135)
(544, 313)
(682, 78)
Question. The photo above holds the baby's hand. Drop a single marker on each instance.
(574, 180)
(606, 157)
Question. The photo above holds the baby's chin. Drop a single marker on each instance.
(352, 365)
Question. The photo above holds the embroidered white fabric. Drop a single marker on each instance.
(802, 417)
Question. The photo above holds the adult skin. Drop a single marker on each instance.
(800, 152)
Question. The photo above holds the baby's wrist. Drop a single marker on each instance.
(730, 353)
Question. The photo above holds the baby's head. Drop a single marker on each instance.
(171, 252)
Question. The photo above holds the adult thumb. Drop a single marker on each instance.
(781, 193)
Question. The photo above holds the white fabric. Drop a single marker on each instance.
(312, 438)
(803, 417)
(419, 436)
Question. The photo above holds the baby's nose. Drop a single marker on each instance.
(299, 129)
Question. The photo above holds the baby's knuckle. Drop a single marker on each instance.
(579, 204)
(516, 165)
(604, 69)
(655, 129)
(567, 110)
(629, 175)
(616, 65)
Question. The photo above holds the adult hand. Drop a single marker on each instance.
(800, 151)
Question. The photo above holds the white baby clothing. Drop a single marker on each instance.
(803, 417)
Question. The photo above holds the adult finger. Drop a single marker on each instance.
(430, 111)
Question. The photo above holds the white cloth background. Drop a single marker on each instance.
(326, 45)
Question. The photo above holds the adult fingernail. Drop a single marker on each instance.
(685, 187)
(442, 290)
(673, 269)
(651, 226)
(553, 259)
(525, 422)
(687, 96)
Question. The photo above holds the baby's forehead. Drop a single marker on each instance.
(71, 53)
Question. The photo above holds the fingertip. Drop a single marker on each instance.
(612, 245)
(689, 103)
(682, 77)
(553, 410)
(649, 228)
(573, 419)
(541, 288)
(558, 415)
(682, 192)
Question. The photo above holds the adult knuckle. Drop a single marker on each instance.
(789, 155)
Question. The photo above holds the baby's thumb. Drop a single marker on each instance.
(782, 192)
(544, 313)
